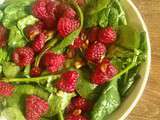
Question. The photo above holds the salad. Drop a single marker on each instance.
(66, 59)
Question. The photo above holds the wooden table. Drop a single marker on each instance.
(148, 107)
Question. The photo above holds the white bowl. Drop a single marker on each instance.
(135, 19)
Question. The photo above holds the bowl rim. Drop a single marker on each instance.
(148, 63)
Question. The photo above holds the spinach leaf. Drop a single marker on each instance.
(1, 15)
(129, 38)
(104, 17)
(84, 87)
(58, 102)
(3, 55)
(107, 102)
(70, 38)
(10, 70)
(16, 39)
(11, 113)
(113, 17)
(14, 12)
(97, 5)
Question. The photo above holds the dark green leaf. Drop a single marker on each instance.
(113, 17)
(107, 102)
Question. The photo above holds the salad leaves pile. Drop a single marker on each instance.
(127, 54)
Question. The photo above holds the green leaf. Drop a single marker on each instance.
(11, 113)
(1, 15)
(58, 102)
(13, 12)
(16, 39)
(84, 87)
(70, 38)
(97, 5)
(104, 17)
(107, 102)
(113, 17)
(10, 70)
(3, 55)
(91, 20)
(129, 38)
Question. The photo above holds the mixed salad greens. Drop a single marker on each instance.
(66, 59)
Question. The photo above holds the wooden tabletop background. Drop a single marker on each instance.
(148, 107)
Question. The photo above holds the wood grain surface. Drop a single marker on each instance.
(148, 107)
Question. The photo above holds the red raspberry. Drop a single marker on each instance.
(39, 9)
(53, 62)
(23, 56)
(6, 89)
(75, 117)
(35, 107)
(3, 36)
(52, 7)
(35, 72)
(107, 35)
(77, 43)
(79, 103)
(103, 73)
(60, 9)
(95, 52)
(68, 81)
(39, 43)
(66, 26)
(70, 13)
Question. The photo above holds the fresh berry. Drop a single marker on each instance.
(79, 103)
(39, 9)
(60, 9)
(68, 81)
(6, 89)
(93, 34)
(66, 26)
(107, 35)
(75, 117)
(35, 72)
(3, 36)
(53, 62)
(33, 30)
(95, 52)
(39, 42)
(52, 7)
(35, 107)
(103, 72)
(23, 56)
(77, 43)
(70, 13)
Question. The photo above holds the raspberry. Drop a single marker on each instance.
(61, 8)
(103, 73)
(79, 103)
(39, 9)
(70, 13)
(53, 62)
(66, 26)
(93, 34)
(75, 117)
(35, 72)
(95, 52)
(77, 43)
(52, 7)
(23, 56)
(6, 89)
(39, 43)
(33, 30)
(35, 107)
(3, 35)
(68, 81)
(107, 35)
